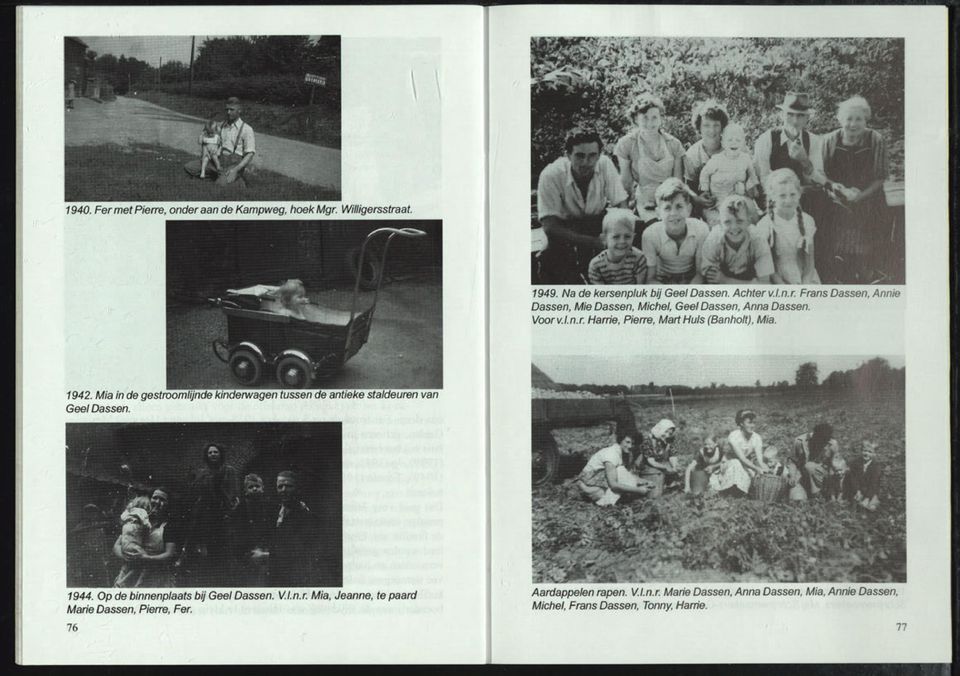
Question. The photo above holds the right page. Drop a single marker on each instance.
(735, 446)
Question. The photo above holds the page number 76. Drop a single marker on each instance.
(901, 626)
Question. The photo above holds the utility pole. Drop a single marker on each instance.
(193, 41)
(159, 66)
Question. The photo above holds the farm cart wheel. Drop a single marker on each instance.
(294, 372)
(545, 460)
(245, 366)
(370, 274)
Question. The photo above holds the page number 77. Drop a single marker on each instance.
(901, 626)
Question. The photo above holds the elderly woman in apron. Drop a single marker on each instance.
(648, 156)
(855, 162)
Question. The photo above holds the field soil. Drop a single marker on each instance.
(679, 538)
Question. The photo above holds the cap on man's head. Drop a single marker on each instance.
(795, 102)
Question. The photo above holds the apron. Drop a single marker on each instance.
(853, 167)
(650, 172)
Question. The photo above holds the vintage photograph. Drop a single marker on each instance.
(701, 468)
(204, 505)
(301, 304)
(717, 160)
(202, 117)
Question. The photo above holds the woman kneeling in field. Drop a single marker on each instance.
(744, 457)
(605, 477)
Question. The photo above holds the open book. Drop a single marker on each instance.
(279, 304)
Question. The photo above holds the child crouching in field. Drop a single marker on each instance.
(794, 475)
(733, 252)
(621, 262)
(863, 477)
(706, 461)
(210, 147)
(729, 172)
(788, 230)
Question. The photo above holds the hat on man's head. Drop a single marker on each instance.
(233, 100)
(795, 102)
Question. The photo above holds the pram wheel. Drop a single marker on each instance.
(294, 372)
(245, 366)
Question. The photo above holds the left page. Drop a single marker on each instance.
(251, 270)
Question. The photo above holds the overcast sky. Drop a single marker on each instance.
(692, 370)
(149, 48)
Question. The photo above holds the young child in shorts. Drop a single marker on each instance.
(210, 147)
(620, 262)
(788, 230)
(733, 252)
(729, 172)
(293, 297)
(135, 525)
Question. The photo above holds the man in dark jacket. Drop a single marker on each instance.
(300, 555)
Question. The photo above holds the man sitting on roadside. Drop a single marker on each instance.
(238, 147)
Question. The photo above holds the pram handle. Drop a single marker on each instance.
(391, 233)
(221, 302)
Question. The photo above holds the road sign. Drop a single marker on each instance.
(315, 79)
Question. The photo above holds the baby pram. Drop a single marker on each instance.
(260, 338)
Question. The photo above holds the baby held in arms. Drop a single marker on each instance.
(134, 526)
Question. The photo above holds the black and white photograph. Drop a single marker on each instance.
(698, 468)
(717, 160)
(304, 304)
(228, 504)
(179, 118)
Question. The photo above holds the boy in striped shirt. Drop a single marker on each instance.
(620, 262)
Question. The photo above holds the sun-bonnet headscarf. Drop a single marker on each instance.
(660, 430)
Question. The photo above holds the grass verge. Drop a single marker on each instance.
(154, 173)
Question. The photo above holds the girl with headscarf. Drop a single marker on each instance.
(658, 457)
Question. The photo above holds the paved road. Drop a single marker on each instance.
(404, 351)
(130, 120)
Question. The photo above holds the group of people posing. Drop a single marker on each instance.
(230, 534)
(639, 465)
(800, 209)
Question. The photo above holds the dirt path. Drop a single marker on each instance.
(129, 120)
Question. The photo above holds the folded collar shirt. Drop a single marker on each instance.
(237, 137)
(559, 196)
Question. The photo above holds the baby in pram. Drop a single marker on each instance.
(292, 296)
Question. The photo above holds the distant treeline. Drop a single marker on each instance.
(267, 69)
(875, 375)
